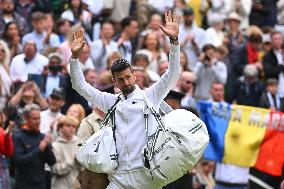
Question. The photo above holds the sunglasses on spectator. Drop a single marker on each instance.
(2, 50)
(189, 82)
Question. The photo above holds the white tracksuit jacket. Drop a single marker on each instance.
(129, 118)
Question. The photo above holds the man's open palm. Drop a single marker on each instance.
(171, 27)
(78, 41)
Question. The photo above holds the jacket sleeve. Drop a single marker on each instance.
(6, 144)
(21, 157)
(49, 156)
(61, 167)
(220, 70)
(271, 68)
(100, 99)
(158, 91)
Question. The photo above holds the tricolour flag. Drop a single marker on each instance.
(244, 136)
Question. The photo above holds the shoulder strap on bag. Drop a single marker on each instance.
(110, 113)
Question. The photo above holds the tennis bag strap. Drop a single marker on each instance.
(111, 115)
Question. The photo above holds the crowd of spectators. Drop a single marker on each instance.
(231, 51)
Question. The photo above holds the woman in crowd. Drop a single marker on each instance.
(184, 61)
(151, 47)
(204, 174)
(77, 111)
(28, 93)
(65, 171)
(5, 79)
(6, 150)
(13, 38)
(76, 14)
(63, 26)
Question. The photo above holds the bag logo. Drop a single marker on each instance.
(158, 150)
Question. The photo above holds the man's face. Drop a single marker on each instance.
(30, 50)
(155, 22)
(125, 80)
(132, 29)
(107, 31)
(140, 79)
(8, 6)
(234, 24)
(272, 88)
(54, 66)
(186, 83)
(55, 103)
(188, 19)
(91, 77)
(33, 120)
(277, 41)
(217, 92)
(38, 25)
(85, 54)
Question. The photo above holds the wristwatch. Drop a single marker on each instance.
(173, 39)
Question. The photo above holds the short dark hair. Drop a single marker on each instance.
(208, 46)
(126, 22)
(38, 16)
(120, 65)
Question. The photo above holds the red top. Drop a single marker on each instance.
(252, 54)
(6, 143)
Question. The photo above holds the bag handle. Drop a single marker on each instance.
(110, 113)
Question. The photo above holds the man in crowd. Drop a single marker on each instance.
(273, 61)
(129, 138)
(186, 85)
(39, 35)
(29, 62)
(51, 76)
(227, 176)
(32, 151)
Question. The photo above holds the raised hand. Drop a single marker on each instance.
(171, 29)
(78, 43)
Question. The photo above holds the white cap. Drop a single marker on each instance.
(234, 16)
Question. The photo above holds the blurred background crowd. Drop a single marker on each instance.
(231, 51)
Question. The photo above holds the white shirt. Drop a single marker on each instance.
(68, 14)
(162, 5)
(38, 39)
(46, 118)
(129, 119)
(279, 56)
(20, 69)
(231, 174)
(99, 53)
(51, 83)
(213, 37)
(199, 38)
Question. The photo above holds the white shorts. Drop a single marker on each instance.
(134, 179)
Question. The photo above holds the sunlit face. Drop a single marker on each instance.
(217, 92)
(12, 30)
(33, 120)
(277, 41)
(140, 79)
(107, 31)
(2, 53)
(273, 88)
(75, 3)
(186, 83)
(125, 80)
(48, 22)
(132, 29)
(55, 103)
(68, 130)
(38, 25)
(65, 28)
(73, 111)
(151, 41)
(155, 22)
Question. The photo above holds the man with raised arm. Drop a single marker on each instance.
(129, 118)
